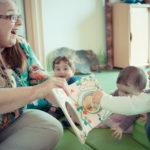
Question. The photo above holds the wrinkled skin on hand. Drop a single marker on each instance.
(47, 87)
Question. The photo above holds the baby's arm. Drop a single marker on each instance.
(127, 122)
(108, 122)
(123, 126)
(126, 105)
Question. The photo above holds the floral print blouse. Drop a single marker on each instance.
(32, 76)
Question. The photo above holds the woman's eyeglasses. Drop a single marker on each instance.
(13, 18)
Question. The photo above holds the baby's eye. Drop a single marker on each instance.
(65, 68)
(124, 92)
(57, 69)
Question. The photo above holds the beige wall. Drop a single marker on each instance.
(77, 24)
(22, 31)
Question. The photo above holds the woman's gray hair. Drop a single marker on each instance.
(3, 1)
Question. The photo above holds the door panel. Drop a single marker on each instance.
(139, 36)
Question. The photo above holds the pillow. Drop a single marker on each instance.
(85, 61)
(139, 133)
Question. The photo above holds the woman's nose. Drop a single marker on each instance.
(19, 21)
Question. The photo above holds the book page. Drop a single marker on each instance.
(74, 107)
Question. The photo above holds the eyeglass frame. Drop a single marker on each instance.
(12, 18)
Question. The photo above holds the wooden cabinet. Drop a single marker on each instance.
(131, 34)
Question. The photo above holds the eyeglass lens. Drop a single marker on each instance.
(14, 18)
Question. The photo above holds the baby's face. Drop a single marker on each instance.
(124, 90)
(63, 70)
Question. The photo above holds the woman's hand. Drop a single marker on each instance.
(45, 88)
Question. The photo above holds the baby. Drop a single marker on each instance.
(131, 81)
(63, 68)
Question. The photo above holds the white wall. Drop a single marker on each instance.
(22, 31)
(77, 24)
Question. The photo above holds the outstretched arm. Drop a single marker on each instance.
(126, 105)
(13, 98)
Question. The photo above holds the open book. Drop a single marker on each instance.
(75, 106)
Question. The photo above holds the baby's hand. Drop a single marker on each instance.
(117, 132)
(97, 96)
(144, 117)
(88, 102)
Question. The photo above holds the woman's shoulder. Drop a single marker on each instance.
(24, 44)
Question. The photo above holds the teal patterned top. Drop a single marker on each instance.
(33, 75)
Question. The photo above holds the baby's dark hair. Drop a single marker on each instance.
(65, 59)
(132, 76)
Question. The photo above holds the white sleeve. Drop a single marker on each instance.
(126, 105)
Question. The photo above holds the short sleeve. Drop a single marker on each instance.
(36, 73)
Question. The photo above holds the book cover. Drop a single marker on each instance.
(74, 106)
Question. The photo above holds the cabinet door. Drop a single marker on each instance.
(139, 36)
(121, 34)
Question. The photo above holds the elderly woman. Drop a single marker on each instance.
(22, 80)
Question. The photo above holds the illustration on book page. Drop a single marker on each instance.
(74, 106)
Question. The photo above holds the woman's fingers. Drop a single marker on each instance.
(61, 83)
